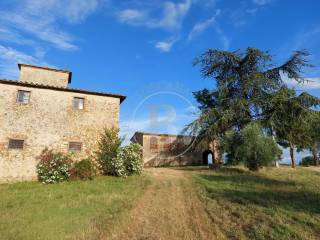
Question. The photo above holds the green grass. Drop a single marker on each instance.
(273, 204)
(71, 210)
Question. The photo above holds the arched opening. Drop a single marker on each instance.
(207, 157)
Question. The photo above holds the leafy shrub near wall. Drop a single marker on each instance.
(83, 170)
(115, 160)
(53, 167)
(132, 158)
(108, 153)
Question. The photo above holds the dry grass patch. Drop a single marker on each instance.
(273, 204)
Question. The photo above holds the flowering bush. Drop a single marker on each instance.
(83, 170)
(108, 153)
(131, 156)
(53, 167)
(116, 160)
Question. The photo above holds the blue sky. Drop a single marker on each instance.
(144, 48)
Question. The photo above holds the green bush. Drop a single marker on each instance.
(108, 154)
(230, 145)
(131, 156)
(251, 147)
(307, 161)
(53, 167)
(83, 170)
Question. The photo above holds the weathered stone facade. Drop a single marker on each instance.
(44, 75)
(173, 150)
(50, 120)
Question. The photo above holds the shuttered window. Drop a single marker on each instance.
(16, 144)
(75, 146)
(23, 97)
(153, 143)
(78, 103)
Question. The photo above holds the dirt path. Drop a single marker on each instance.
(170, 209)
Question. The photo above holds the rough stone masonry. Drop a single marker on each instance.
(39, 111)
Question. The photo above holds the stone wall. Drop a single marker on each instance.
(170, 150)
(32, 74)
(49, 120)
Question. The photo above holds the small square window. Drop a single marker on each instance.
(75, 146)
(23, 97)
(16, 144)
(78, 103)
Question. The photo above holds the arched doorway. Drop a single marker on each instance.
(207, 157)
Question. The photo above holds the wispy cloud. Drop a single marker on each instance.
(131, 16)
(171, 19)
(166, 45)
(41, 20)
(225, 41)
(10, 57)
(200, 27)
(262, 2)
(38, 24)
(309, 83)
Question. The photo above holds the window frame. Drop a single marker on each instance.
(75, 149)
(14, 144)
(153, 144)
(78, 98)
(18, 94)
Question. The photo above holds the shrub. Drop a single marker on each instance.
(53, 167)
(83, 170)
(108, 154)
(132, 158)
(251, 147)
(230, 145)
(307, 161)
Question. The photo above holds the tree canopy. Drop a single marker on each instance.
(249, 87)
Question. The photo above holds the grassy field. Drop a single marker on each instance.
(168, 203)
(71, 210)
(273, 204)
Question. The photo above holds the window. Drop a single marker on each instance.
(78, 103)
(23, 97)
(153, 143)
(75, 146)
(16, 144)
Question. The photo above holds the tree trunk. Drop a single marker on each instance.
(293, 163)
(315, 155)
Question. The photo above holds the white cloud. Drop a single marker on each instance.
(10, 57)
(308, 84)
(199, 27)
(166, 45)
(262, 2)
(74, 11)
(37, 24)
(41, 19)
(43, 29)
(174, 14)
(252, 11)
(225, 41)
(171, 19)
(131, 16)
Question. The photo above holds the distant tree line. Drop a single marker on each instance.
(250, 108)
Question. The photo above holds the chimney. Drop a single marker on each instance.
(44, 76)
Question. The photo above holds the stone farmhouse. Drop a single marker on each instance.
(173, 150)
(40, 110)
